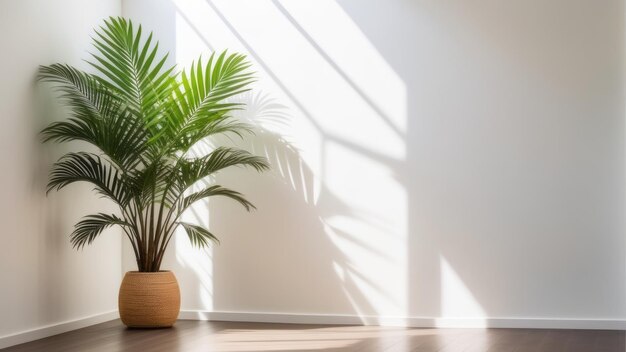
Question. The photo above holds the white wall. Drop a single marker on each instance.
(44, 281)
(441, 159)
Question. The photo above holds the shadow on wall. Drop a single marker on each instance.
(418, 164)
(293, 227)
(307, 249)
(58, 294)
(293, 230)
(503, 216)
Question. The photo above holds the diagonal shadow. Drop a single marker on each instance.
(262, 63)
(194, 29)
(338, 69)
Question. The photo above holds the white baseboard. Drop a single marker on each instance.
(424, 322)
(55, 329)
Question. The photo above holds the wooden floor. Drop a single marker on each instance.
(191, 336)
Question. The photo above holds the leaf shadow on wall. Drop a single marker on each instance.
(310, 273)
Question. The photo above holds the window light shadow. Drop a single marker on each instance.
(331, 233)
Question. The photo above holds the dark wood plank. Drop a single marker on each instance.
(191, 336)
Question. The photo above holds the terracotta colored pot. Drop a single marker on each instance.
(149, 300)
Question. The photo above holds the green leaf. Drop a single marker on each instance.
(86, 230)
(198, 235)
(217, 190)
(130, 67)
(143, 116)
(194, 170)
(98, 115)
(87, 167)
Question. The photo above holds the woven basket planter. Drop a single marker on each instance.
(149, 300)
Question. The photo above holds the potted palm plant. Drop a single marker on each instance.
(143, 118)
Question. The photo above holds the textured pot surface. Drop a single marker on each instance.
(149, 300)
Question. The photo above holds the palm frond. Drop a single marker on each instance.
(83, 92)
(195, 170)
(201, 98)
(198, 129)
(216, 190)
(204, 88)
(98, 116)
(150, 182)
(131, 67)
(144, 118)
(86, 230)
(198, 235)
(87, 167)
